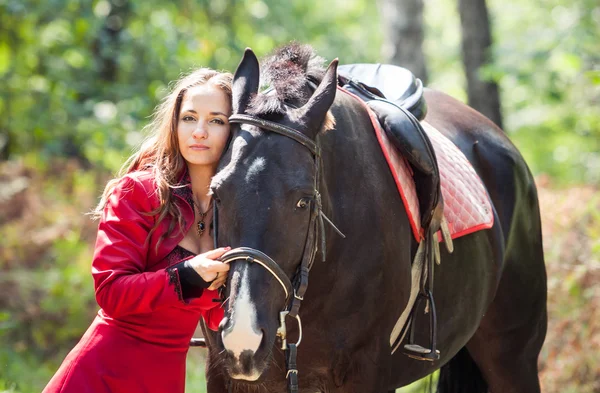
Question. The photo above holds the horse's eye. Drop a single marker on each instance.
(302, 203)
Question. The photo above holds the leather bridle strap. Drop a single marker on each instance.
(278, 128)
(252, 255)
(310, 249)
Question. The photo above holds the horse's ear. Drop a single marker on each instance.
(315, 110)
(245, 82)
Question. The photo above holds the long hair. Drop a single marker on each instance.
(159, 153)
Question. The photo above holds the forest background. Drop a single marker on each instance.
(79, 79)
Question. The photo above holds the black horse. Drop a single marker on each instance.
(304, 155)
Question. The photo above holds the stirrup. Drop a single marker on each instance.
(416, 351)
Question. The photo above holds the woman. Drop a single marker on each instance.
(154, 269)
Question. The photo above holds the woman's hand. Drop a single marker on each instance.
(209, 268)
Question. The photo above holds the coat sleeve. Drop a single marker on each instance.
(123, 286)
(213, 317)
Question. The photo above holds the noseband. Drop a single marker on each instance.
(296, 288)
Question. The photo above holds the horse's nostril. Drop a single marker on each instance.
(246, 361)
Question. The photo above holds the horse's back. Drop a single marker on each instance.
(493, 156)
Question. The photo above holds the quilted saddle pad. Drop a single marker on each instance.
(467, 206)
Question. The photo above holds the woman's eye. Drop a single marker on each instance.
(188, 118)
(218, 121)
(302, 203)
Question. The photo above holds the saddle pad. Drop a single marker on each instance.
(467, 207)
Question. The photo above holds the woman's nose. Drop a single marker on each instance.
(200, 132)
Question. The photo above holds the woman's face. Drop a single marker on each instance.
(203, 126)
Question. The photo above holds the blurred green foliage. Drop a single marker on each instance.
(550, 76)
(547, 64)
(46, 290)
(79, 79)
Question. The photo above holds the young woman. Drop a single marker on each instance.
(154, 268)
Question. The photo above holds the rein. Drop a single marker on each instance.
(296, 288)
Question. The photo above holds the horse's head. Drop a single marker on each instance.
(266, 191)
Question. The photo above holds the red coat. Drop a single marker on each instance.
(140, 337)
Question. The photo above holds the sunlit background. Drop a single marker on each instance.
(80, 78)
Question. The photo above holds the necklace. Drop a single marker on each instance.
(201, 225)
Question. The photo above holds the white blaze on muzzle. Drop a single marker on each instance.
(242, 334)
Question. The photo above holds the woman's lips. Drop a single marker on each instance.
(199, 147)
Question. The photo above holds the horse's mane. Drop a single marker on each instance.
(287, 70)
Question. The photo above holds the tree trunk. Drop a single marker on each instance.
(107, 44)
(402, 22)
(476, 52)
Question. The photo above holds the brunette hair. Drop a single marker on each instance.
(159, 153)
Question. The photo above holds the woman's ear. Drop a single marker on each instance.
(245, 82)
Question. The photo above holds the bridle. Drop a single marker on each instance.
(296, 288)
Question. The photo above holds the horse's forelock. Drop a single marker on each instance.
(287, 70)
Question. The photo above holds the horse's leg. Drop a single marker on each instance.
(503, 352)
(507, 343)
(509, 339)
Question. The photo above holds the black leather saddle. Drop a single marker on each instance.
(395, 84)
(396, 96)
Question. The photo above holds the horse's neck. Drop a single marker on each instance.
(351, 154)
(359, 196)
(355, 173)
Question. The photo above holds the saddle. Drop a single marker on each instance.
(396, 97)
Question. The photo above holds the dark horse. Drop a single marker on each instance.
(301, 150)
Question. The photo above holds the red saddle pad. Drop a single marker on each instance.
(467, 206)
